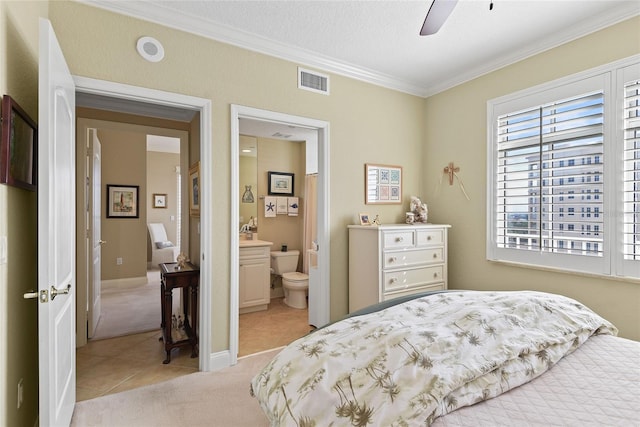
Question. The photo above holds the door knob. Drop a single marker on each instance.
(102, 242)
(55, 292)
(30, 295)
(43, 295)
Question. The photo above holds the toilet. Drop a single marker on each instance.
(294, 284)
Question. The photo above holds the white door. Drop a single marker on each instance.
(56, 234)
(95, 150)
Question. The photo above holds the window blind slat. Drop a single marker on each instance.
(550, 177)
(631, 172)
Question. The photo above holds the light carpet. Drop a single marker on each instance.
(129, 311)
(219, 398)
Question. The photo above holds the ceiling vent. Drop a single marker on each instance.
(313, 81)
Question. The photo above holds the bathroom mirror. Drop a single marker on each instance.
(382, 184)
(248, 179)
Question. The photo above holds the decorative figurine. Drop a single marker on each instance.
(419, 210)
(375, 221)
(182, 260)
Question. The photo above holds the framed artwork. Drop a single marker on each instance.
(364, 219)
(194, 190)
(280, 184)
(159, 200)
(122, 201)
(382, 184)
(18, 146)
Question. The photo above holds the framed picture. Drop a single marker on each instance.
(364, 219)
(280, 184)
(122, 201)
(382, 184)
(194, 190)
(159, 200)
(18, 146)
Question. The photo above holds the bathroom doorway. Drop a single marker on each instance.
(247, 120)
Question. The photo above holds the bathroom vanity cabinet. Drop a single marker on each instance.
(395, 260)
(254, 275)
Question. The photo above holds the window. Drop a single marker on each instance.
(562, 138)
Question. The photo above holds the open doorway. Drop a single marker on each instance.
(155, 203)
(316, 137)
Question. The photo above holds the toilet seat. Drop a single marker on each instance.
(295, 277)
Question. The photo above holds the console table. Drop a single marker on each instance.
(187, 279)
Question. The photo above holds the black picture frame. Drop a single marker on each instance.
(123, 201)
(18, 147)
(281, 184)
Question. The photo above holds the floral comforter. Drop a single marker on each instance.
(413, 362)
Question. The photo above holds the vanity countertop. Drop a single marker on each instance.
(254, 243)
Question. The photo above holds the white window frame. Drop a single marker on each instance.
(610, 78)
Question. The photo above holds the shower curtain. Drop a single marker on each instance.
(310, 218)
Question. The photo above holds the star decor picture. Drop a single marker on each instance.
(280, 184)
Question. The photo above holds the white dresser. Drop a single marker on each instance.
(390, 261)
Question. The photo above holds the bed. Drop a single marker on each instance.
(457, 358)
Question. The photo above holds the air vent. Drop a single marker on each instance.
(313, 81)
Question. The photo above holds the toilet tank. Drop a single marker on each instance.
(284, 262)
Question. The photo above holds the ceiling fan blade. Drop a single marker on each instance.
(438, 13)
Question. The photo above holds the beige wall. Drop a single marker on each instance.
(368, 123)
(18, 223)
(124, 162)
(281, 156)
(447, 140)
(162, 179)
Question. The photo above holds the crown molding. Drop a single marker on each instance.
(167, 17)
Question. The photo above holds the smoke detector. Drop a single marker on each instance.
(150, 49)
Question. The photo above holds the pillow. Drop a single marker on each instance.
(162, 245)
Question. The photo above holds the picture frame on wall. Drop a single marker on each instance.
(280, 184)
(382, 184)
(159, 201)
(194, 190)
(122, 201)
(18, 146)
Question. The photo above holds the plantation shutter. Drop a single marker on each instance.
(631, 167)
(550, 177)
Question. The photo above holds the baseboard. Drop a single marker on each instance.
(127, 282)
(219, 360)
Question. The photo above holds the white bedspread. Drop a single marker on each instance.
(414, 362)
(597, 385)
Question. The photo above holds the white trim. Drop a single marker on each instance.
(601, 77)
(162, 15)
(135, 93)
(237, 112)
(219, 360)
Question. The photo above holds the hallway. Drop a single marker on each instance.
(122, 363)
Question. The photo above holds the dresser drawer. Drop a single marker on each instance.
(433, 287)
(398, 280)
(412, 258)
(429, 237)
(398, 239)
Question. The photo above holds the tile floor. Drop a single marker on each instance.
(123, 363)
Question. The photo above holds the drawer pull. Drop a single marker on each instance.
(435, 275)
(428, 237)
(393, 280)
(399, 239)
(435, 256)
(393, 259)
